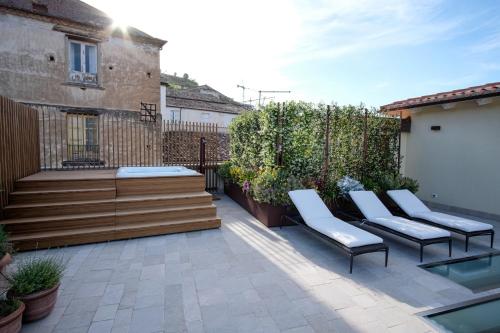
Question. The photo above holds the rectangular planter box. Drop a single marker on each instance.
(269, 215)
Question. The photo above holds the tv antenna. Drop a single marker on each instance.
(273, 92)
(243, 88)
(263, 99)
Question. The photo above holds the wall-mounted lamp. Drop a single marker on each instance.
(435, 128)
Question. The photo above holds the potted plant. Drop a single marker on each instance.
(35, 283)
(342, 201)
(5, 249)
(11, 315)
(395, 182)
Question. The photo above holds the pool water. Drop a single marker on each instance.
(478, 273)
(481, 317)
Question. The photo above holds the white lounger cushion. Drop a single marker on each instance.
(318, 217)
(409, 227)
(453, 221)
(343, 232)
(412, 206)
(408, 202)
(370, 205)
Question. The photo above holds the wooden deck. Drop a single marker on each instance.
(58, 208)
(71, 175)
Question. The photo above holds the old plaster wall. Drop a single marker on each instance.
(27, 73)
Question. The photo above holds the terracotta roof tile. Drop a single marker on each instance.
(486, 90)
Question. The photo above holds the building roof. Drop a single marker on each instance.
(175, 81)
(203, 98)
(483, 91)
(75, 11)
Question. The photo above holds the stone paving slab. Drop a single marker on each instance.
(244, 277)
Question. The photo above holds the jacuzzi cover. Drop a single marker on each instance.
(147, 172)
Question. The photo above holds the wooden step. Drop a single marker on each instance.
(165, 214)
(62, 222)
(59, 208)
(42, 196)
(65, 184)
(162, 201)
(166, 227)
(50, 239)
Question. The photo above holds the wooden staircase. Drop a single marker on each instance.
(47, 211)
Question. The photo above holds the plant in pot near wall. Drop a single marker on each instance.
(36, 282)
(5, 249)
(11, 315)
(344, 186)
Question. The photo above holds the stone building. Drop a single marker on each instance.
(66, 59)
(182, 99)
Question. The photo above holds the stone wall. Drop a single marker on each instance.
(34, 68)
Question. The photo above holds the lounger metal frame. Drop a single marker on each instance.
(467, 234)
(421, 242)
(351, 251)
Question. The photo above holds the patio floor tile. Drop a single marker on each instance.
(245, 277)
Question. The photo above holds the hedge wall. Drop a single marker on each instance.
(286, 144)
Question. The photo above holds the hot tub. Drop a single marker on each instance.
(149, 172)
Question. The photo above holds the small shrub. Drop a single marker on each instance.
(272, 186)
(5, 245)
(7, 306)
(224, 170)
(409, 184)
(240, 175)
(372, 185)
(328, 190)
(398, 182)
(36, 274)
(347, 184)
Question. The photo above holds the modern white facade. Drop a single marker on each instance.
(453, 150)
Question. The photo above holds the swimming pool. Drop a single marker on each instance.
(477, 273)
(481, 315)
(147, 172)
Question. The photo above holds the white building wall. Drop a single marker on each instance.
(163, 101)
(199, 116)
(458, 166)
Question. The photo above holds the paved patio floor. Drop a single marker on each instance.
(244, 277)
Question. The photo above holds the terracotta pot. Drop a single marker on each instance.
(6, 260)
(40, 304)
(13, 322)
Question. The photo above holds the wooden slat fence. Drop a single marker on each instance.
(19, 145)
(194, 145)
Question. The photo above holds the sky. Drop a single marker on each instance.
(329, 51)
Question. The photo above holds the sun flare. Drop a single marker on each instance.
(120, 21)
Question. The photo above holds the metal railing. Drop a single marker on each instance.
(83, 153)
(88, 140)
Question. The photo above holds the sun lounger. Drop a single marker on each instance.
(319, 220)
(378, 216)
(416, 209)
